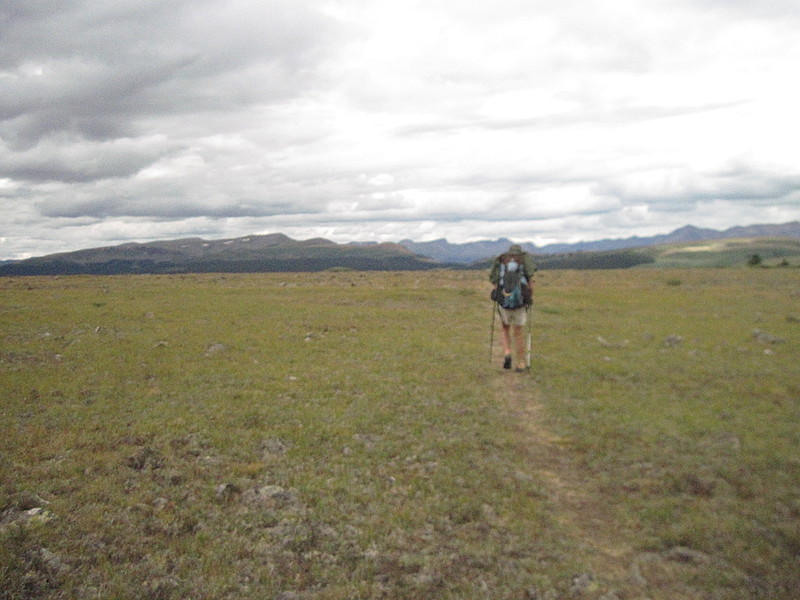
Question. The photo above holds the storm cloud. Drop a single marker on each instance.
(361, 120)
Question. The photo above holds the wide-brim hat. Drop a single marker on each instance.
(515, 249)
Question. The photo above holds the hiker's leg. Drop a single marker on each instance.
(505, 319)
(506, 339)
(519, 340)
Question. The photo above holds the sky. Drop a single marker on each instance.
(356, 120)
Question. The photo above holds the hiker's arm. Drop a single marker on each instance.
(530, 269)
(494, 274)
(530, 266)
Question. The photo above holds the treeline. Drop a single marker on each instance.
(612, 259)
(128, 267)
(622, 259)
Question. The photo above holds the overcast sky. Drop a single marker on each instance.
(538, 120)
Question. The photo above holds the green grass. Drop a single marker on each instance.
(686, 423)
(778, 252)
(341, 435)
(147, 410)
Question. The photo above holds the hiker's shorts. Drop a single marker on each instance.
(517, 316)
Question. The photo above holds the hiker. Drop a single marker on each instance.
(512, 275)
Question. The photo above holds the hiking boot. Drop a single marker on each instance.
(522, 369)
(507, 361)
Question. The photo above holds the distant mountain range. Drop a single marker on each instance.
(443, 251)
(280, 253)
(250, 254)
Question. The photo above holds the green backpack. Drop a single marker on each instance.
(512, 289)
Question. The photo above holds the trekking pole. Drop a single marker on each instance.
(528, 356)
(491, 334)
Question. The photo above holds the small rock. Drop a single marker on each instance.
(766, 338)
(39, 515)
(215, 348)
(227, 490)
(274, 447)
(686, 555)
(53, 562)
(146, 457)
(636, 576)
(607, 344)
(584, 583)
(269, 495)
(26, 500)
(673, 340)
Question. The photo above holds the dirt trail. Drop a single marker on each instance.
(614, 568)
(583, 514)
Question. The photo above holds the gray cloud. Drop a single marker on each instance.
(76, 161)
(680, 188)
(98, 70)
(362, 119)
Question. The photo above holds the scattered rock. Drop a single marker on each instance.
(536, 594)
(726, 440)
(584, 583)
(52, 562)
(215, 348)
(766, 338)
(606, 344)
(37, 514)
(686, 555)
(225, 491)
(673, 340)
(146, 457)
(273, 447)
(272, 496)
(636, 576)
(162, 587)
(27, 500)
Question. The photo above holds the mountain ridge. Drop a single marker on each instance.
(274, 252)
(470, 252)
(277, 252)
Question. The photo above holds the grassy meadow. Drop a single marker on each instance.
(344, 436)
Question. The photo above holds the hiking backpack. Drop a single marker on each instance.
(512, 289)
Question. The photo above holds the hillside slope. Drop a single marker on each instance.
(265, 253)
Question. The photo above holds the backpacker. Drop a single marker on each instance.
(512, 289)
